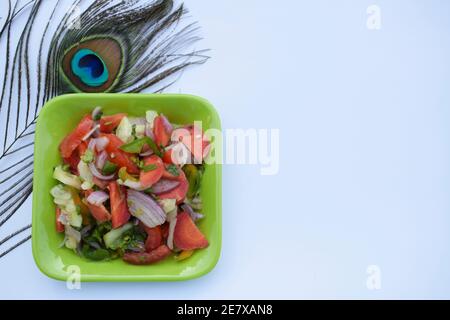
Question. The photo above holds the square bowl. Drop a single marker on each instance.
(59, 117)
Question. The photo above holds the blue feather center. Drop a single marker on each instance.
(89, 67)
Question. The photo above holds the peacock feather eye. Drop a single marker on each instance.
(89, 68)
(93, 65)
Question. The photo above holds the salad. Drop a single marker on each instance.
(128, 187)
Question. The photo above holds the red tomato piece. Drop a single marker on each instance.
(162, 137)
(167, 156)
(179, 193)
(100, 213)
(75, 157)
(74, 139)
(109, 123)
(150, 177)
(73, 161)
(154, 238)
(119, 209)
(165, 231)
(81, 149)
(59, 225)
(143, 258)
(119, 157)
(187, 236)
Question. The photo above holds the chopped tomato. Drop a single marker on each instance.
(143, 258)
(167, 156)
(162, 137)
(165, 230)
(73, 161)
(154, 172)
(179, 193)
(75, 157)
(100, 213)
(187, 236)
(109, 123)
(82, 148)
(74, 139)
(154, 238)
(59, 225)
(119, 209)
(119, 157)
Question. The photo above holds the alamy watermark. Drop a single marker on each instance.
(373, 281)
(373, 21)
(73, 281)
(241, 146)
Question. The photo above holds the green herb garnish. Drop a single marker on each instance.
(88, 156)
(137, 145)
(173, 170)
(96, 254)
(149, 167)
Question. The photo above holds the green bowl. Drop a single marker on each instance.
(58, 117)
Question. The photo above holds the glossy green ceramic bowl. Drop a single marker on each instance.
(57, 119)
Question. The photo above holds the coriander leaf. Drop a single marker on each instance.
(137, 145)
(96, 254)
(109, 168)
(173, 170)
(134, 146)
(149, 167)
(88, 156)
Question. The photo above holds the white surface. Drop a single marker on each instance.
(364, 178)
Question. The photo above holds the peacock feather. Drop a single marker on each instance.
(83, 46)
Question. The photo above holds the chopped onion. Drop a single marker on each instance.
(101, 143)
(147, 153)
(138, 121)
(96, 133)
(164, 185)
(135, 185)
(96, 127)
(98, 144)
(146, 209)
(92, 143)
(149, 131)
(97, 173)
(194, 215)
(97, 197)
(101, 160)
(172, 225)
(166, 123)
